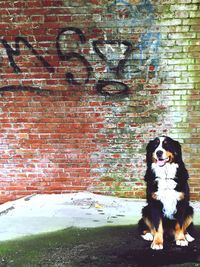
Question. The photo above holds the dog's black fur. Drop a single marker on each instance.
(154, 213)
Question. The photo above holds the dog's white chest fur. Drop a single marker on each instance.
(166, 187)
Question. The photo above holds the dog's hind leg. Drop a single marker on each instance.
(188, 237)
(144, 226)
(190, 228)
(144, 230)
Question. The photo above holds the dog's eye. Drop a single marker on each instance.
(165, 142)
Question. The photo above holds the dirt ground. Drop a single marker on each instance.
(96, 247)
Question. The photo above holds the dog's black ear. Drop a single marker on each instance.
(182, 172)
(149, 151)
(178, 151)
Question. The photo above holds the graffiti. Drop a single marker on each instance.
(140, 56)
(120, 66)
(121, 59)
(118, 55)
(115, 67)
(101, 86)
(73, 55)
(11, 53)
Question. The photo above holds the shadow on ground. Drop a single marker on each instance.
(96, 247)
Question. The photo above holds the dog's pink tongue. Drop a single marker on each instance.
(161, 162)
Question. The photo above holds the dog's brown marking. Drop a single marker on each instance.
(154, 160)
(157, 233)
(170, 156)
(180, 231)
(181, 196)
(145, 232)
(154, 195)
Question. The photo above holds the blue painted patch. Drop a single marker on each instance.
(136, 15)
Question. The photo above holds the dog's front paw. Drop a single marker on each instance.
(182, 242)
(157, 243)
(157, 246)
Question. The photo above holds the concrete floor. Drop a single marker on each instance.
(46, 213)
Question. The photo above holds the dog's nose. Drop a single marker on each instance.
(159, 153)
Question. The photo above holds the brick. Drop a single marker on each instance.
(182, 36)
(195, 28)
(182, 14)
(60, 137)
(194, 21)
(170, 22)
(183, 7)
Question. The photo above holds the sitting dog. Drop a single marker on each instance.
(168, 209)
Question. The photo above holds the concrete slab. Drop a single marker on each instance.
(45, 213)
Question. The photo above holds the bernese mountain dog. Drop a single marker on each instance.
(168, 210)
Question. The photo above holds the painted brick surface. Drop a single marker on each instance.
(86, 84)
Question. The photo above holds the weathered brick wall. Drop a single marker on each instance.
(86, 84)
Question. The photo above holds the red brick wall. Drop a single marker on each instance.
(85, 85)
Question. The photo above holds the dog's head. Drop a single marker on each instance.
(162, 150)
